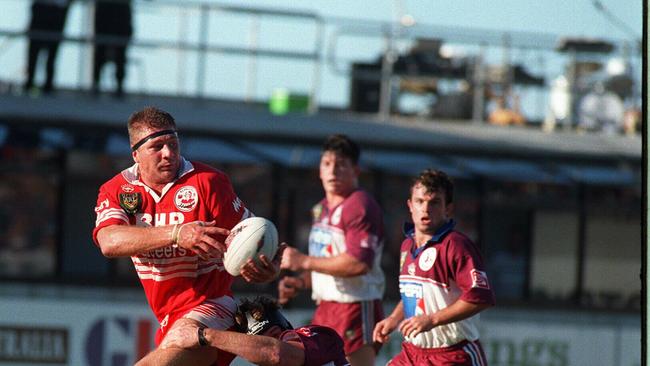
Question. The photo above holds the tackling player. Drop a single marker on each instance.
(171, 217)
(442, 283)
(269, 340)
(345, 247)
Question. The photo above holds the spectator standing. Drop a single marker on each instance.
(45, 32)
(113, 30)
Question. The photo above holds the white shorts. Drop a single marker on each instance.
(216, 313)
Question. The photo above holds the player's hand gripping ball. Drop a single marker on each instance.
(248, 239)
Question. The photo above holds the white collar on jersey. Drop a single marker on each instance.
(132, 175)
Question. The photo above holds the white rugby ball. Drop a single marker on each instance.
(248, 239)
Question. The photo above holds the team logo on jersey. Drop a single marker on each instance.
(186, 198)
(411, 293)
(420, 307)
(479, 279)
(102, 205)
(402, 258)
(130, 202)
(329, 250)
(306, 332)
(127, 188)
(336, 216)
(411, 269)
(320, 242)
(427, 258)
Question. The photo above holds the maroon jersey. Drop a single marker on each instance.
(432, 277)
(354, 227)
(322, 345)
(175, 279)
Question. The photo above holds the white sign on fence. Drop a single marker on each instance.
(96, 333)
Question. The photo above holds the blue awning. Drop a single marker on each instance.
(409, 163)
(295, 156)
(599, 175)
(396, 162)
(118, 145)
(211, 149)
(510, 170)
(193, 148)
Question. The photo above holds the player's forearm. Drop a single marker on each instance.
(124, 241)
(342, 265)
(457, 311)
(260, 350)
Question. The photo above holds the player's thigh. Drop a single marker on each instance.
(354, 322)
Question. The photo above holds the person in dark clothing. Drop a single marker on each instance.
(113, 30)
(45, 28)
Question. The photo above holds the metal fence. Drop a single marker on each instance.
(204, 49)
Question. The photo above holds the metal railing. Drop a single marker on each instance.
(196, 49)
(202, 47)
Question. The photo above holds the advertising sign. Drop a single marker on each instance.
(110, 333)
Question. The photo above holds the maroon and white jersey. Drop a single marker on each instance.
(174, 279)
(323, 346)
(432, 277)
(355, 227)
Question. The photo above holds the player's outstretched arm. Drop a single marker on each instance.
(124, 241)
(342, 265)
(457, 311)
(260, 350)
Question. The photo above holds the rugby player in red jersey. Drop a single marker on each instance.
(171, 216)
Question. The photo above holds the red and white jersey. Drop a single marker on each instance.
(432, 277)
(355, 226)
(174, 279)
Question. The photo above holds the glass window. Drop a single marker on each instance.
(29, 184)
(554, 255)
(82, 259)
(253, 184)
(612, 249)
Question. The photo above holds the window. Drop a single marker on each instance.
(29, 216)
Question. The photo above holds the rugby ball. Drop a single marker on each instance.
(248, 239)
